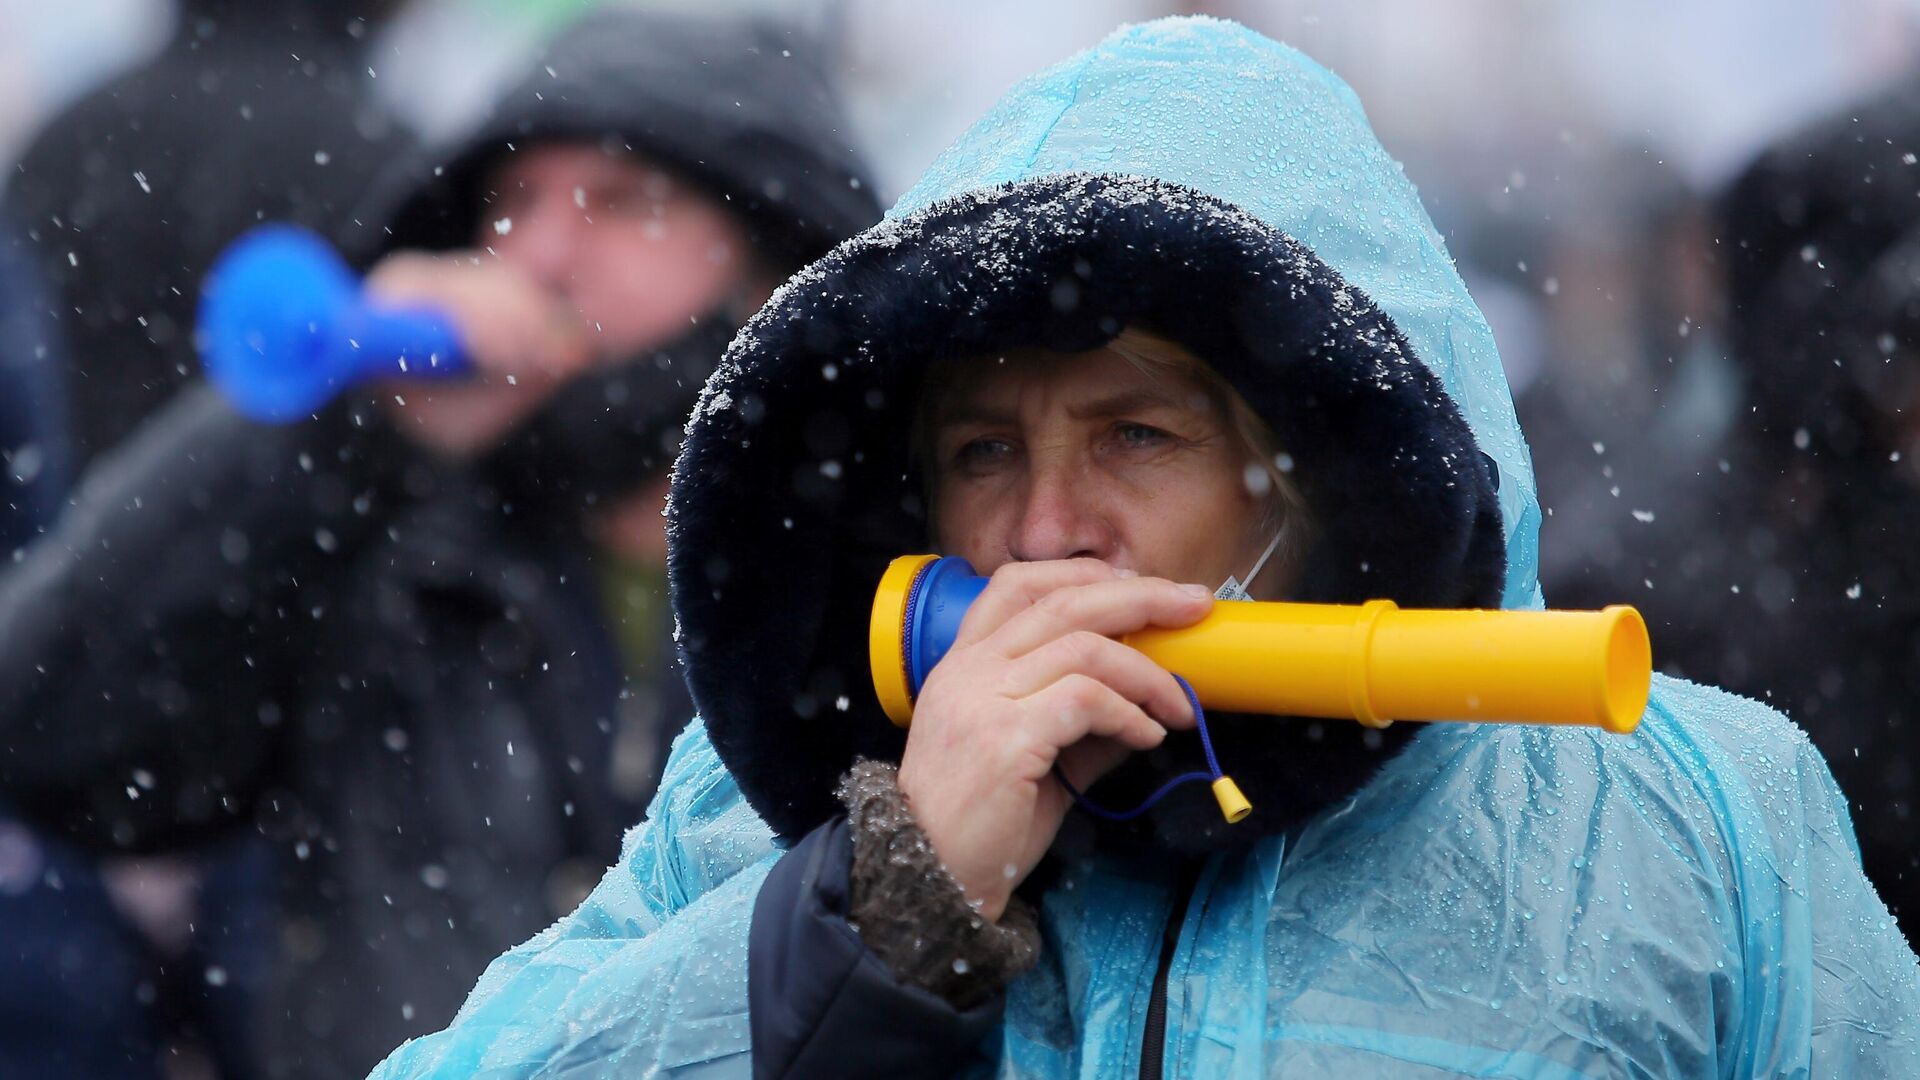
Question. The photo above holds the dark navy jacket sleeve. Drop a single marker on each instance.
(821, 1003)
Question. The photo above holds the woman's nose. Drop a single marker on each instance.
(1059, 519)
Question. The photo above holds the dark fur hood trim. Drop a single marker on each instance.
(794, 488)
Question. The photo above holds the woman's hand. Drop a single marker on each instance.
(1035, 677)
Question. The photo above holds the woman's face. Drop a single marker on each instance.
(1056, 456)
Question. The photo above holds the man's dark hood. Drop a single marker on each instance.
(744, 109)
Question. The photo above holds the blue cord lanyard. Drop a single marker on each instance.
(1206, 743)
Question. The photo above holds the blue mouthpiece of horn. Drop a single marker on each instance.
(284, 326)
(939, 600)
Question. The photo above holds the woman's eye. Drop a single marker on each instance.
(1140, 436)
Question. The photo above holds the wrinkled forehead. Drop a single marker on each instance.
(1031, 383)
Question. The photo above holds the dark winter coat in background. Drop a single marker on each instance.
(399, 672)
(1789, 569)
(256, 110)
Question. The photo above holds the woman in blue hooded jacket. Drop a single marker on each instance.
(1178, 257)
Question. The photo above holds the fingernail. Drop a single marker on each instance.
(1123, 572)
(1196, 591)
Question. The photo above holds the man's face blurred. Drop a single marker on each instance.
(635, 250)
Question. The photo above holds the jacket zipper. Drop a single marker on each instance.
(1154, 1044)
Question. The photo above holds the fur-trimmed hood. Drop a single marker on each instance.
(1185, 175)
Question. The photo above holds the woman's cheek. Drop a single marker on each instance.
(963, 517)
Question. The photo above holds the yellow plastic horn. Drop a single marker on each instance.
(1377, 663)
(1374, 663)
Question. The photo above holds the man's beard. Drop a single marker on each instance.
(609, 432)
(1289, 767)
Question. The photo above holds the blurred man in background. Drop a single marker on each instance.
(420, 641)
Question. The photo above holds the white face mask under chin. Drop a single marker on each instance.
(1234, 588)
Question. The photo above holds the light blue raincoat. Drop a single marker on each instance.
(1501, 901)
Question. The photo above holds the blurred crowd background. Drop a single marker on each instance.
(1567, 151)
(1713, 442)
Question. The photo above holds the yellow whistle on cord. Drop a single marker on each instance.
(1374, 662)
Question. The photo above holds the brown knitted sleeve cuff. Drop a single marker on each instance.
(911, 912)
